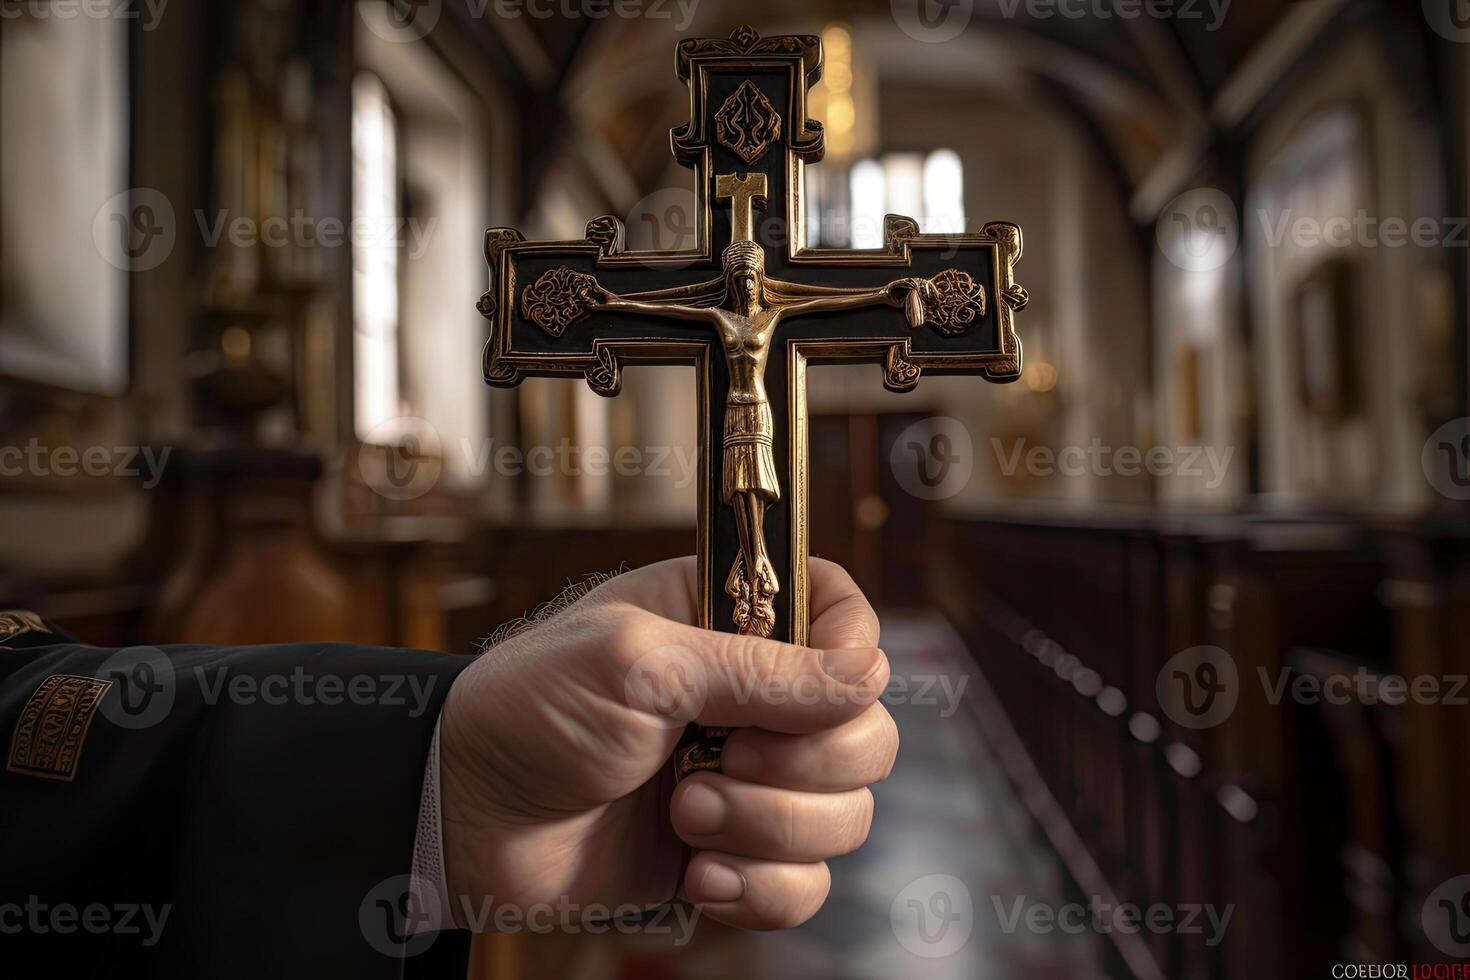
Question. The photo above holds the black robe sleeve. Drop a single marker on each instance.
(195, 811)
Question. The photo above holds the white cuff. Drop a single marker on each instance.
(428, 886)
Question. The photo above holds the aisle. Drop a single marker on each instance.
(935, 891)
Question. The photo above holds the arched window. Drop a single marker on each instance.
(375, 282)
(926, 186)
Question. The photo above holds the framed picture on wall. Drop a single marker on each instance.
(68, 225)
(1327, 341)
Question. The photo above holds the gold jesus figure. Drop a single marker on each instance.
(745, 306)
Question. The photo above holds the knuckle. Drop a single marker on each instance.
(628, 633)
(871, 749)
(859, 819)
(885, 750)
(792, 837)
(745, 658)
(859, 621)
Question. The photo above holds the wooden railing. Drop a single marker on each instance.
(1297, 816)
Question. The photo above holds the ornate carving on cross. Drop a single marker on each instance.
(750, 287)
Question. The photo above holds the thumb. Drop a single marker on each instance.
(747, 681)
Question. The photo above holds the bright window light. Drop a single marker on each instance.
(929, 187)
(869, 203)
(374, 260)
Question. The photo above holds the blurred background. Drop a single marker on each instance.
(1178, 620)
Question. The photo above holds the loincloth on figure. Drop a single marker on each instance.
(750, 465)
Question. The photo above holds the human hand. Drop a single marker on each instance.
(556, 774)
(923, 287)
(928, 292)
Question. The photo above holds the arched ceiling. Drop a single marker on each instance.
(1146, 91)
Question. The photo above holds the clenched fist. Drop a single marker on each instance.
(556, 755)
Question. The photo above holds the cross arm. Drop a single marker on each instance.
(959, 309)
(549, 311)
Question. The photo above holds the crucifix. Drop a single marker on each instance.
(750, 286)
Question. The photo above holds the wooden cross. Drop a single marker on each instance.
(751, 286)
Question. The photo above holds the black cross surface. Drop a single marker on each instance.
(747, 140)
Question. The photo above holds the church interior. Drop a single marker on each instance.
(1177, 622)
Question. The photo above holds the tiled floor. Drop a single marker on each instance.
(932, 892)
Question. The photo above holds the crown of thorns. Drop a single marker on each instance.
(745, 254)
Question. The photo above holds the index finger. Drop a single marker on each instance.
(841, 615)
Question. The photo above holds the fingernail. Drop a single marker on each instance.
(720, 883)
(702, 811)
(851, 666)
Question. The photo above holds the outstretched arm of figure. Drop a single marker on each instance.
(817, 299)
(663, 303)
